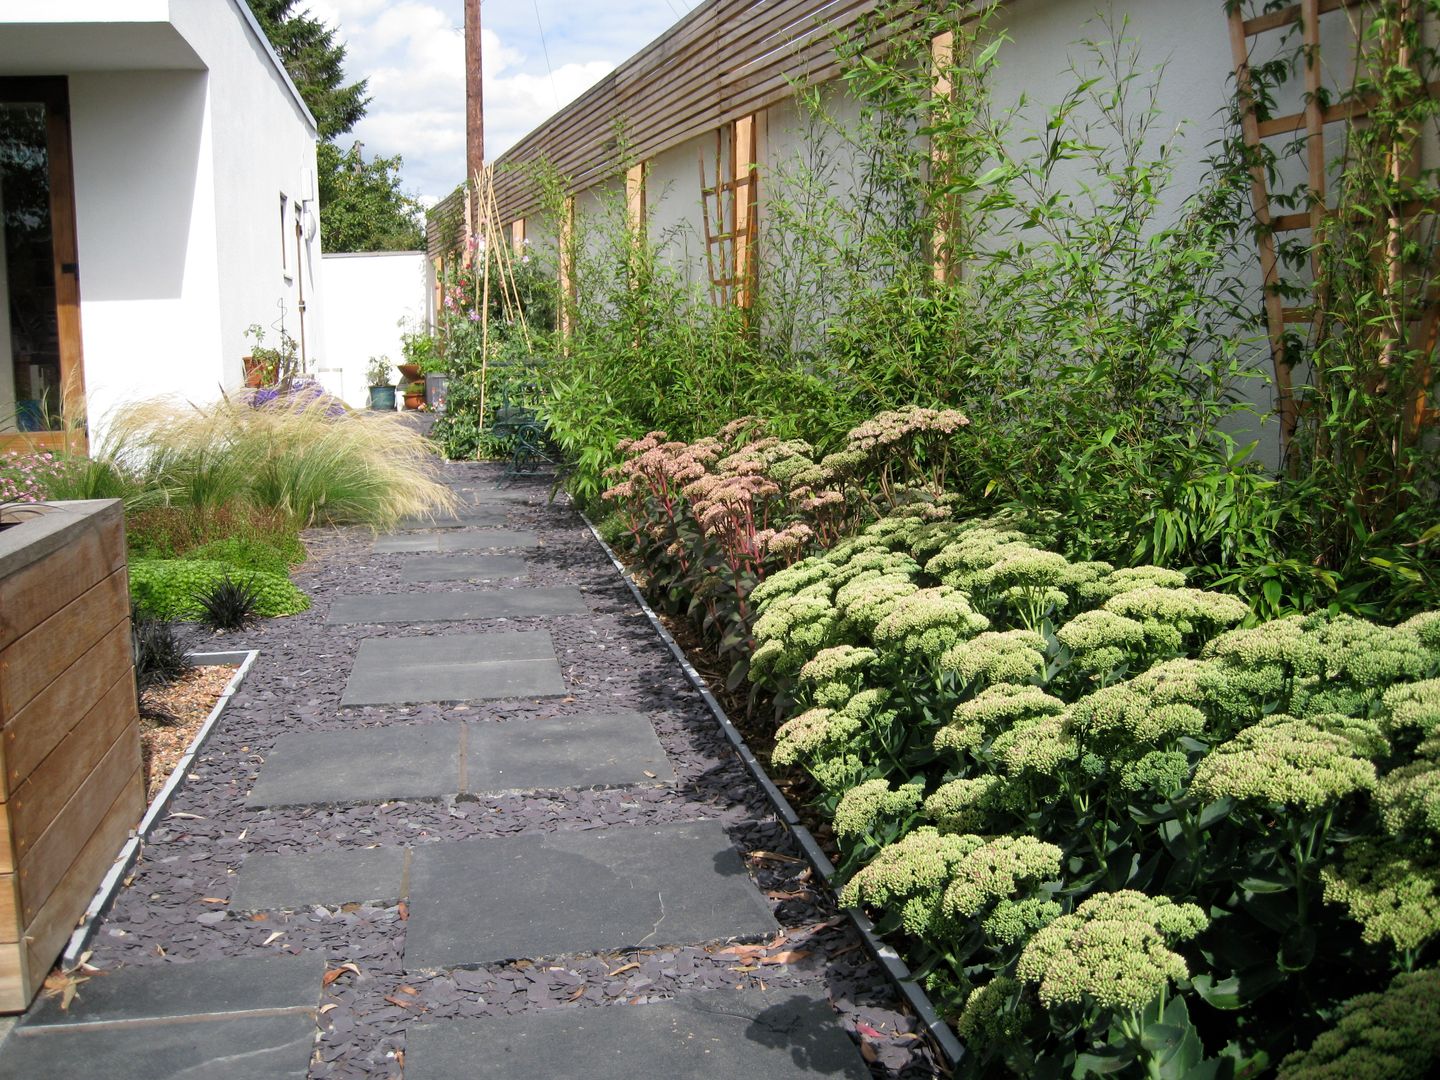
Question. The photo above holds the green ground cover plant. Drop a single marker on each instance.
(175, 588)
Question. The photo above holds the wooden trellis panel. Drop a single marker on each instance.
(728, 212)
(1312, 120)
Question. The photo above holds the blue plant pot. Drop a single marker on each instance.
(383, 398)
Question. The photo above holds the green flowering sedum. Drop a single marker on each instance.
(1366, 654)
(1413, 706)
(1004, 656)
(1392, 1035)
(836, 673)
(1409, 799)
(992, 710)
(1013, 921)
(864, 807)
(867, 599)
(1100, 641)
(792, 579)
(1121, 722)
(1161, 772)
(928, 622)
(1390, 889)
(1040, 747)
(1128, 579)
(1426, 627)
(1172, 615)
(928, 875)
(1310, 763)
(1114, 949)
(965, 805)
(812, 732)
(791, 630)
(991, 1016)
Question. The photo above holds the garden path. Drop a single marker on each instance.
(466, 817)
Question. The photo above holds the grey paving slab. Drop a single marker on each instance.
(720, 1035)
(544, 895)
(280, 882)
(212, 988)
(455, 540)
(464, 568)
(467, 517)
(408, 761)
(267, 1047)
(454, 667)
(465, 605)
(600, 750)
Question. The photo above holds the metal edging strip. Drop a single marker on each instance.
(110, 883)
(942, 1037)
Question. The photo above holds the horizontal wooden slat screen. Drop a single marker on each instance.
(724, 60)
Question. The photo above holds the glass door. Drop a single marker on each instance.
(42, 393)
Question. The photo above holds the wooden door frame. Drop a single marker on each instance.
(53, 91)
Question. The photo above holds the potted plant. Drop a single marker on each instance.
(266, 366)
(382, 391)
(414, 394)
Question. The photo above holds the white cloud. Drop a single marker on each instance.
(413, 53)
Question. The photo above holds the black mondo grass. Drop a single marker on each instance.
(228, 604)
(159, 658)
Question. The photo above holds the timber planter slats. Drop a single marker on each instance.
(71, 782)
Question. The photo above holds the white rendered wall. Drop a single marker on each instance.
(367, 296)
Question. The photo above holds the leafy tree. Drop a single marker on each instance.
(315, 62)
(361, 205)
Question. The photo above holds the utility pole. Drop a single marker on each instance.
(474, 94)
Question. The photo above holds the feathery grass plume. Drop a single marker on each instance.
(1174, 618)
(1128, 579)
(1426, 627)
(1101, 641)
(994, 1014)
(837, 674)
(992, 710)
(928, 622)
(1013, 921)
(290, 455)
(1390, 887)
(1310, 763)
(1392, 1035)
(866, 806)
(1408, 799)
(1115, 948)
(965, 805)
(1004, 656)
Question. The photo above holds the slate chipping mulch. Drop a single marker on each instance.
(171, 908)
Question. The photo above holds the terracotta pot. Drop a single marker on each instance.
(254, 372)
(409, 372)
(414, 401)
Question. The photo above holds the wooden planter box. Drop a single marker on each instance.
(71, 783)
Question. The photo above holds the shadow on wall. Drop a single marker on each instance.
(137, 142)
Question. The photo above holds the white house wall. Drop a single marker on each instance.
(367, 296)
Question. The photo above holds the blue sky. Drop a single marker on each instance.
(412, 51)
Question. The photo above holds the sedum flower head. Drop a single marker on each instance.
(994, 1014)
(1392, 1035)
(837, 773)
(1367, 654)
(929, 622)
(1189, 611)
(1013, 921)
(1310, 763)
(801, 625)
(995, 869)
(1041, 747)
(965, 805)
(812, 732)
(1390, 888)
(1104, 586)
(867, 805)
(791, 580)
(1114, 949)
(1100, 640)
(865, 600)
(972, 551)
(1117, 717)
(1004, 656)
(1279, 641)
(1426, 627)
(1413, 706)
(1162, 772)
(1002, 705)
(1409, 799)
(909, 875)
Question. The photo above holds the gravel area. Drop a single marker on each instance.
(188, 701)
(172, 907)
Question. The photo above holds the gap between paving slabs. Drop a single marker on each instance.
(947, 1045)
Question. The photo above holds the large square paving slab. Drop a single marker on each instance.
(467, 517)
(217, 987)
(454, 667)
(455, 540)
(601, 750)
(285, 882)
(466, 605)
(246, 1047)
(407, 761)
(464, 568)
(721, 1035)
(484, 901)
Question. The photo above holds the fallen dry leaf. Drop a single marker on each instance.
(579, 990)
(648, 773)
(773, 856)
(404, 910)
(188, 817)
(787, 956)
(744, 952)
(793, 895)
(623, 969)
(213, 900)
(747, 967)
(409, 990)
(335, 973)
(327, 1007)
(273, 936)
(393, 1000)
